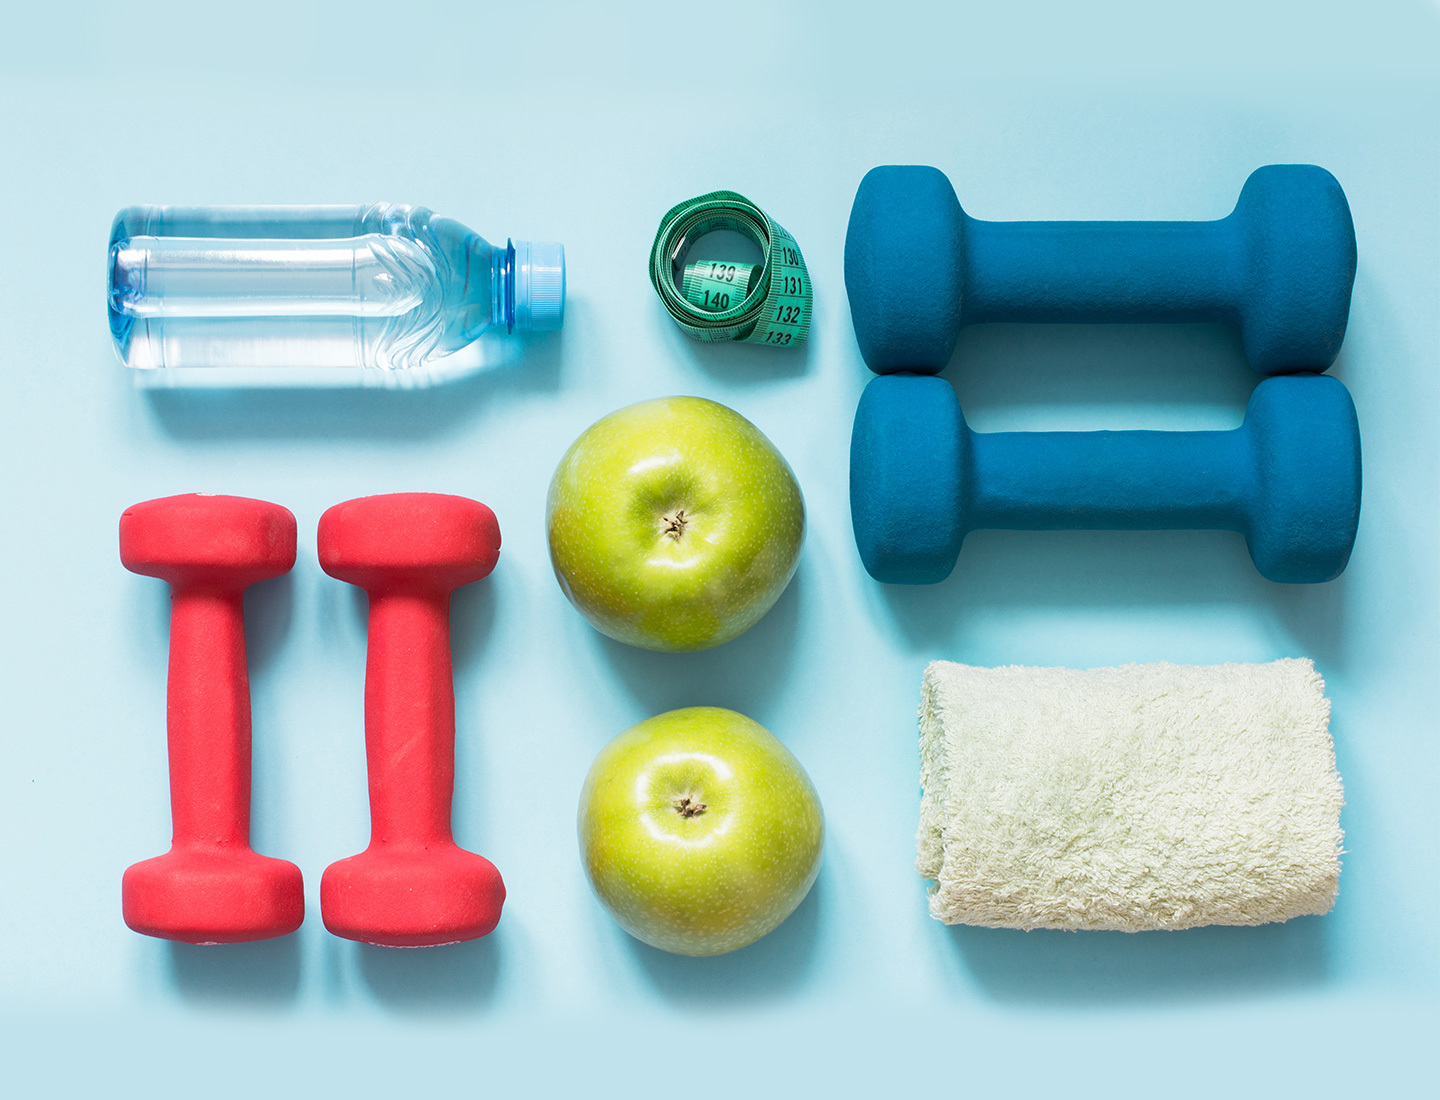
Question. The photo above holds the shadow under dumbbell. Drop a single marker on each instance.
(261, 974)
(453, 978)
(741, 674)
(472, 613)
(399, 412)
(1178, 376)
(1066, 968)
(269, 607)
(766, 970)
(1199, 572)
(1089, 377)
(1314, 615)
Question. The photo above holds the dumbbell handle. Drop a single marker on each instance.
(1138, 480)
(1100, 271)
(409, 718)
(208, 719)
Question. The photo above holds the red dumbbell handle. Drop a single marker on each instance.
(208, 719)
(410, 718)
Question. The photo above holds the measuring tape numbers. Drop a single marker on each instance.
(766, 303)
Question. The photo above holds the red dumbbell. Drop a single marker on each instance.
(413, 886)
(210, 887)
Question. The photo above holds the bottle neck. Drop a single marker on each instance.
(500, 309)
(505, 281)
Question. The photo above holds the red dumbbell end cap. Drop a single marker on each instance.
(399, 538)
(198, 537)
(426, 896)
(213, 895)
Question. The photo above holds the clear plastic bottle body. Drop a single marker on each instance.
(382, 286)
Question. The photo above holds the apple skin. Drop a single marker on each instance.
(674, 524)
(717, 880)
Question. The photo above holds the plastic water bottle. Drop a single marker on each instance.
(383, 286)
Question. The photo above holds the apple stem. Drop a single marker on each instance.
(688, 806)
(674, 524)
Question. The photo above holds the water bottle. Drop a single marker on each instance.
(384, 286)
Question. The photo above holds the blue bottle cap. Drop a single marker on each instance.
(539, 286)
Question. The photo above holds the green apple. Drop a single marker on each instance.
(700, 831)
(674, 524)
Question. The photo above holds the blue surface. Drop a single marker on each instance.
(1115, 110)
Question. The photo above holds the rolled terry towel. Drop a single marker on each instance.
(1144, 797)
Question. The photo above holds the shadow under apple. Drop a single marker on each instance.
(741, 675)
(770, 968)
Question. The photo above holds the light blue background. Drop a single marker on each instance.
(583, 123)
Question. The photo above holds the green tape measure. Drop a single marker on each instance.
(766, 303)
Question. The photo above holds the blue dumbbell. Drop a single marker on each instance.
(1288, 479)
(1279, 268)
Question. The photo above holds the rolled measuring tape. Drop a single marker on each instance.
(766, 303)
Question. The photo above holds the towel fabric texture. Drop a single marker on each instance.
(1152, 796)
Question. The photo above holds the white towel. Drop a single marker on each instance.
(1144, 797)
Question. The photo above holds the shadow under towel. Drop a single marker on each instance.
(1146, 797)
